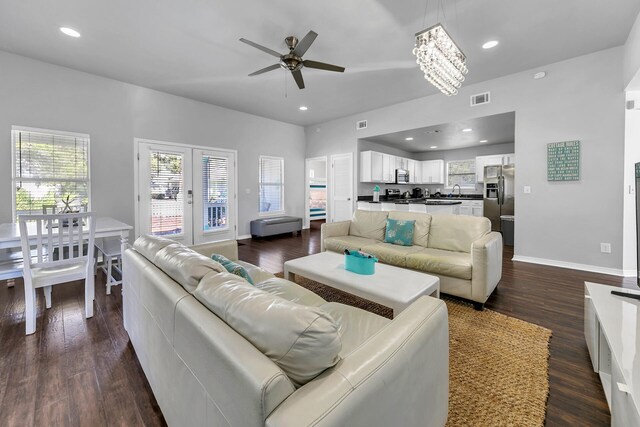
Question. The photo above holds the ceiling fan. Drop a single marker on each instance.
(293, 61)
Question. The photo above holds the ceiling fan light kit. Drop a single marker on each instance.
(292, 61)
(440, 59)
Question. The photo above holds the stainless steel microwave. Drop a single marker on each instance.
(402, 176)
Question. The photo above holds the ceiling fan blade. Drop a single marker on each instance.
(304, 44)
(262, 48)
(323, 66)
(265, 69)
(297, 76)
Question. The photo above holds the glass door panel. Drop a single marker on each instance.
(164, 189)
(214, 191)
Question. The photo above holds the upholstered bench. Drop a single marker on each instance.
(278, 225)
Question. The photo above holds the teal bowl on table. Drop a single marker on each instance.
(360, 265)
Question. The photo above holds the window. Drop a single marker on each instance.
(215, 185)
(461, 172)
(50, 169)
(271, 185)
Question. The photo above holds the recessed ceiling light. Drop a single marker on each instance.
(483, 140)
(70, 32)
(434, 146)
(490, 44)
(409, 138)
(303, 108)
(467, 130)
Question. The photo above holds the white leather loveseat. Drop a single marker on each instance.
(461, 250)
(218, 351)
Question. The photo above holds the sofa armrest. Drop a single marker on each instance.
(398, 377)
(486, 261)
(226, 248)
(333, 229)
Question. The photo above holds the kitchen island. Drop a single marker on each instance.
(434, 207)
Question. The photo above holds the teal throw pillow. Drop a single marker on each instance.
(232, 267)
(399, 232)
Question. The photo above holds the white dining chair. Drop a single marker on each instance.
(60, 256)
(110, 249)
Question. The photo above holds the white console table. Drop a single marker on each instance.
(612, 332)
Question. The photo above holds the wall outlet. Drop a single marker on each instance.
(605, 248)
(527, 189)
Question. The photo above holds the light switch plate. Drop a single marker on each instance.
(527, 189)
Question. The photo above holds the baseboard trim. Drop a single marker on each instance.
(245, 236)
(574, 266)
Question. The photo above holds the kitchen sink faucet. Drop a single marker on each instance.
(459, 189)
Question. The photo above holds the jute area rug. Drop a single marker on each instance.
(498, 365)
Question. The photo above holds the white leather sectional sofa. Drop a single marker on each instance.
(218, 351)
(461, 250)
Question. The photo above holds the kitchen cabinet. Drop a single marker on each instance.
(432, 172)
(499, 159)
(472, 208)
(412, 167)
(388, 206)
(418, 207)
(443, 209)
(388, 168)
(380, 167)
(371, 163)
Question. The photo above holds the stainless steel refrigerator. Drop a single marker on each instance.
(499, 192)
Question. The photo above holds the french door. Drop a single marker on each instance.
(186, 194)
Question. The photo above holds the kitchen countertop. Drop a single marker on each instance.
(383, 199)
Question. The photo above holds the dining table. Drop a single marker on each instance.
(11, 265)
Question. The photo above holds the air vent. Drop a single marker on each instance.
(362, 124)
(479, 99)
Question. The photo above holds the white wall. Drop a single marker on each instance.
(631, 70)
(581, 98)
(41, 95)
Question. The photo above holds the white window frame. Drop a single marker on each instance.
(52, 132)
(283, 210)
(462, 187)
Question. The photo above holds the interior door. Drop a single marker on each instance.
(214, 190)
(164, 191)
(341, 187)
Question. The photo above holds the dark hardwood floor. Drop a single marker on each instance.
(75, 371)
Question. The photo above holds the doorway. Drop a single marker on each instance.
(185, 193)
(341, 187)
(316, 185)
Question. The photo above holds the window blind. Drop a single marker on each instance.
(271, 184)
(167, 208)
(49, 170)
(461, 172)
(215, 183)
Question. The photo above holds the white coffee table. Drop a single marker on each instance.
(390, 286)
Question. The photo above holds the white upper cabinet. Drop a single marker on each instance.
(411, 167)
(388, 170)
(499, 159)
(432, 172)
(371, 166)
(378, 167)
(509, 159)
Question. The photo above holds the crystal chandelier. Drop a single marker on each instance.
(442, 62)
